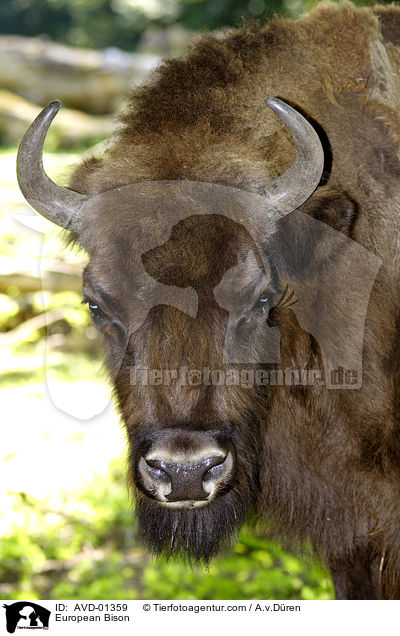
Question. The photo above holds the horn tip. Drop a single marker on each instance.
(275, 103)
(55, 105)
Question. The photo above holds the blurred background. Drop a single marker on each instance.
(66, 528)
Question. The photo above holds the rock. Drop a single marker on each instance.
(54, 277)
(69, 129)
(94, 81)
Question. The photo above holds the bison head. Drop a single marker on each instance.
(188, 285)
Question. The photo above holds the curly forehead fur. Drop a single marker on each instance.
(204, 116)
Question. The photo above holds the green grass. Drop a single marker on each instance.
(92, 553)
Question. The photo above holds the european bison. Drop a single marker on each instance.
(244, 272)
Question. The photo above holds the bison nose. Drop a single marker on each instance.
(184, 480)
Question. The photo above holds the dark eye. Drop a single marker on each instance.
(261, 303)
(95, 311)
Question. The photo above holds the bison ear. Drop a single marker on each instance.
(304, 239)
(335, 209)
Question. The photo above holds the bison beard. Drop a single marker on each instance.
(195, 535)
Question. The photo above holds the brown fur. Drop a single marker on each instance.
(327, 461)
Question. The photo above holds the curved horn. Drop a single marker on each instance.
(57, 204)
(296, 185)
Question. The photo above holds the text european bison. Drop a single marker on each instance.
(245, 272)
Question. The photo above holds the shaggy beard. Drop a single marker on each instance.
(193, 534)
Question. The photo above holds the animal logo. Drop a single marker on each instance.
(25, 615)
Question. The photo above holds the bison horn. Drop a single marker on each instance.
(57, 204)
(62, 206)
(296, 185)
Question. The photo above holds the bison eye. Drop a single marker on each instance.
(261, 302)
(96, 313)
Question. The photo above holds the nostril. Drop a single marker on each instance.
(214, 472)
(156, 472)
(155, 480)
(214, 466)
(218, 474)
